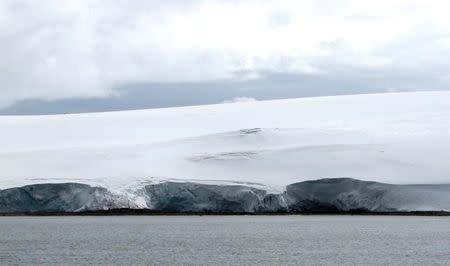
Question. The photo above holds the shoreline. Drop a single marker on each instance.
(148, 212)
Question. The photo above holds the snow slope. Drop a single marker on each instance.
(399, 138)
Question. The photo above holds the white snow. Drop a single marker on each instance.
(394, 137)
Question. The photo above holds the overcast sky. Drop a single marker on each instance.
(79, 56)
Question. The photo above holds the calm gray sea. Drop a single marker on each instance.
(225, 240)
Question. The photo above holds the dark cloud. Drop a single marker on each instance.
(272, 86)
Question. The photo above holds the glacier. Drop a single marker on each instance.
(323, 195)
(262, 156)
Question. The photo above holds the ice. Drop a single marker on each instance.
(396, 138)
(323, 195)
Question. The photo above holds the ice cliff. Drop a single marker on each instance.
(323, 195)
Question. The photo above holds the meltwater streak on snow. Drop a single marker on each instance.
(392, 138)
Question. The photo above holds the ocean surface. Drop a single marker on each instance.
(225, 240)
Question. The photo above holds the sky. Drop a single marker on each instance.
(92, 55)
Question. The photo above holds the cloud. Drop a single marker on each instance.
(52, 50)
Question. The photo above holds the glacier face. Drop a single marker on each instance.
(323, 195)
(64, 197)
(346, 194)
(194, 197)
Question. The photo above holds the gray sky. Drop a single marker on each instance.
(92, 55)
